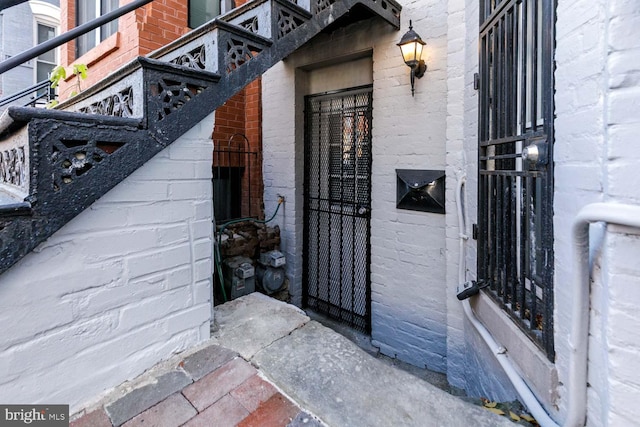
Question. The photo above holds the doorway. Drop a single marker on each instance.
(337, 200)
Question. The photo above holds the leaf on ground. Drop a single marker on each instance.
(495, 410)
(514, 417)
(489, 404)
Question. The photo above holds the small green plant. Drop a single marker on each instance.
(59, 73)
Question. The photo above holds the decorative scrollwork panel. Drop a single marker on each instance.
(72, 158)
(239, 52)
(250, 24)
(173, 95)
(119, 105)
(194, 59)
(287, 22)
(321, 5)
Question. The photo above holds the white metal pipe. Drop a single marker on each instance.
(462, 230)
(500, 353)
(611, 213)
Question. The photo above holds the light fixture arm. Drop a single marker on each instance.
(417, 72)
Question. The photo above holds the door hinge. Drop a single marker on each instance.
(476, 81)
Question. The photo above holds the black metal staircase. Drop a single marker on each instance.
(56, 163)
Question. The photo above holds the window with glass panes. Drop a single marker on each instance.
(88, 10)
(46, 62)
(201, 11)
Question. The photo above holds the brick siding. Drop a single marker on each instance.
(121, 286)
(597, 100)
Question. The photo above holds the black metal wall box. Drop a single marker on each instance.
(420, 190)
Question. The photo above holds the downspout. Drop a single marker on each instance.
(610, 213)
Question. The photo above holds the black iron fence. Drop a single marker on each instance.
(233, 165)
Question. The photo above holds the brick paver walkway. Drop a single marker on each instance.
(212, 387)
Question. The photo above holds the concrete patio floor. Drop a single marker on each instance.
(268, 364)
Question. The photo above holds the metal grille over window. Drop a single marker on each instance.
(515, 216)
(337, 206)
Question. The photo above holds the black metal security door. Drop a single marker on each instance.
(515, 206)
(337, 206)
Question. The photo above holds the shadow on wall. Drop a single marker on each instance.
(399, 336)
(483, 374)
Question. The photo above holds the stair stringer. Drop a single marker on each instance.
(59, 190)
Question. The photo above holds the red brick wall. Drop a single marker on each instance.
(109, 55)
(241, 115)
(253, 129)
(160, 23)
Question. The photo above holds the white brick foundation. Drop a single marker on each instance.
(407, 247)
(123, 285)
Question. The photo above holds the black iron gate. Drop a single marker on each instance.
(515, 216)
(337, 206)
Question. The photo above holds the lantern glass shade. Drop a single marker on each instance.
(411, 46)
(412, 52)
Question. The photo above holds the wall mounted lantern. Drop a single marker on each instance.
(411, 46)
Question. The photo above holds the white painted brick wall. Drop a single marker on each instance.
(623, 185)
(123, 285)
(281, 157)
(579, 144)
(456, 60)
(597, 159)
(407, 247)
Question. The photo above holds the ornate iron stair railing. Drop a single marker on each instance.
(39, 91)
(56, 163)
